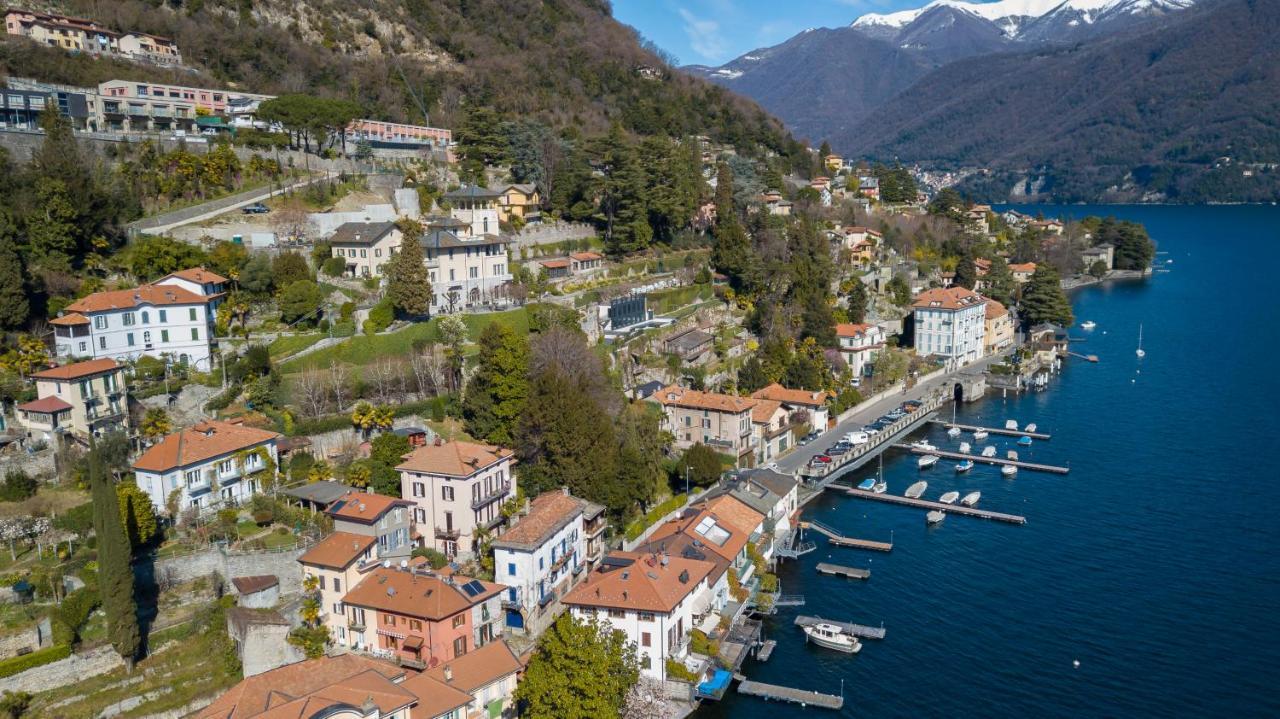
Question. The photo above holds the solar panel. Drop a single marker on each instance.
(338, 505)
(473, 588)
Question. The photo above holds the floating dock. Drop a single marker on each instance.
(929, 504)
(857, 630)
(766, 650)
(946, 454)
(837, 570)
(992, 430)
(802, 697)
(838, 539)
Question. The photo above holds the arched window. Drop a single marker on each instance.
(146, 318)
(486, 229)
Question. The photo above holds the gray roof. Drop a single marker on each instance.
(361, 233)
(239, 619)
(324, 492)
(444, 239)
(689, 339)
(472, 192)
(776, 482)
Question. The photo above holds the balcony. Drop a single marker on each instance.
(450, 534)
(356, 625)
(497, 519)
(498, 493)
(509, 603)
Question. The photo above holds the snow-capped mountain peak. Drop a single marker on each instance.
(1011, 16)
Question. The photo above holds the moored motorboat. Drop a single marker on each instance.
(934, 517)
(989, 451)
(1009, 470)
(924, 445)
(1024, 441)
(927, 460)
(831, 636)
(1011, 424)
(1088, 325)
(970, 499)
(915, 490)
(980, 435)
(964, 466)
(949, 497)
(953, 432)
(965, 447)
(1011, 454)
(881, 487)
(1030, 427)
(867, 484)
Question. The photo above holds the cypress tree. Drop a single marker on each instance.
(966, 271)
(14, 307)
(1043, 299)
(408, 281)
(858, 298)
(115, 575)
(497, 392)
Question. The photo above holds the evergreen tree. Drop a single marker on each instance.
(724, 192)
(702, 464)
(999, 284)
(498, 390)
(480, 143)
(824, 151)
(565, 439)
(290, 267)
(1043, 299)
(51, 229)
(752, 375)
(966, 271)
(641, 451)
(621, 189)
(14, 307)
(811, 276)
(857, 298)
(115, 575)
(408, 280)
(808, 368)
(580, 670)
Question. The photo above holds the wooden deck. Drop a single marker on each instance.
(838, 539)
(802, 697)
(837, 570)
(858, 630)
(947, 454)
(992, 430)
(766, 650)
(929, 504)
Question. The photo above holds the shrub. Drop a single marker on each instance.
(380, 317)
(334, 266)
(677, 670)
(17, 665)
(17, 486)
(636, 528)
(434, 557)
(263, 517)
(700, 643)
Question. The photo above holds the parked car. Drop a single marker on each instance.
(912, 405)
(812, 436)
(856, 438)
(872, 428)
(256, 208)
(821, 459)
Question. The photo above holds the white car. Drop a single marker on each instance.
(856, 438)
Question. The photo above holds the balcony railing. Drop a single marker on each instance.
(497, 493)
(442, 533)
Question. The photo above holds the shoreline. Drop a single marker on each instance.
(1075, 283)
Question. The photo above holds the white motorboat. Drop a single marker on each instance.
(953, 432)
(989, 451)
(831, 636)
(970, 499)
(1088, 325)
(965, 447)
(915, 490)
(934, 517)
(1031, 428)
(927, 460)
(1011, 424)
(980, 435)
(949, 498)
(964, 466)
(1011, 454)
(1009, 470)
(924, 445)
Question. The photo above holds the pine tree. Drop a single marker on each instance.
(408, 281)
(966, 271)
(565, 439)
(1000, 285)
(496, 395)
(857, 298)
(115, 574)
(14, 307)
(1043, 299)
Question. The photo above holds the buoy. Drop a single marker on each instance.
(1076, 664)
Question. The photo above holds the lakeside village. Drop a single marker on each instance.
(412, 435)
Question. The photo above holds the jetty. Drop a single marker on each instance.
(992, 430)
(930, 504)
(858, 630)
(802, 697)
(1020, 464)
(838, 570)
(835, 537)
(1087, 358)
(766, 650)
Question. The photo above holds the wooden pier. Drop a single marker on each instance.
(947, 454)
(837, 570)
(992, 430)
(857, 630)
(766, 650)
(838, 539)
(802, 697)
(929, 504)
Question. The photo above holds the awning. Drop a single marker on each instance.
(388, 633)
(413, 642)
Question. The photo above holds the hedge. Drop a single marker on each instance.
(636, 528)
(17, 665)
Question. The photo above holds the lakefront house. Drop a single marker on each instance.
(456, 488)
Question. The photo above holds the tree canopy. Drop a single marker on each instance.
(580, 670)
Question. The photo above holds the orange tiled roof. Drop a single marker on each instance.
(268, 694)
(45, 405)
(777, 392)
(548, 513)
(732, 513)
(70, 320)
(414, 592)
(764, 409)
(949, 298)
(365, 507)
(681, 397)
(995, 309)
(1023, 267)
(850, 329)
(78, 369)
(586, 256)
(338, 550)
(203, 441)
(158, 295)
(554, 264)
(455, 458)
(198, 275)
(477, 669)
(646, 585)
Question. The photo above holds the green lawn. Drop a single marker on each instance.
(666, 301)
(286, 345)
(365, 349)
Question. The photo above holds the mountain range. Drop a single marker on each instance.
(1070, 100)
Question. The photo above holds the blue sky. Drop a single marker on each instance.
(712, 32)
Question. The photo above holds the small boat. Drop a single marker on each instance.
(934, 517)
(1011, 454)
(1008, 470)
(964, 466)
(1030, 428)
(915, 490)
(1011, 424)
(1141, 352)
(970, 499)
(965, 447)
(953, 432)
(989, 451)
(927, 460)
(867, 484)
(1088, 325)
(830, 636)
(980, 435)
(924, 445)
(1024, 441)
(949, 498)
(880, 488)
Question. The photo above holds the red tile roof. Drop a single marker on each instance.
(548, 513)
(782, 394)
(289, 690)
(70, 320)
(586, 256)
(198, 275)
(949, 298)
(554, 264)
(764, 409)
(850, 329)
(1023, 267)
(77, 370)
(416, 592)
(680, 397)
(203, 441)
(995, 309)
(364, 507)
(455, 458)
(647, 584)
(338, 550)
(477, 669)
(45, 405)
(157, 295)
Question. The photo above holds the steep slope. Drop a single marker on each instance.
(943, 34)
(565, 61)
(1186, 112)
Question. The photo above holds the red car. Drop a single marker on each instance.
(820, 459)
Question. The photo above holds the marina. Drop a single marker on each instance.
(992, 430)
(838, 570)
(931, 505)
(1020, 464)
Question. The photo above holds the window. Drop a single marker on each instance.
(646, 617)
(102, 343)
(646, 639)
(499, 269)
(451, 272)
(195, 332)
(83, 347)
(475, 272)
(377, 252)
(100, 322)
(420, 515)
(163, 316)
(337, 584)
(146, 337)
(415, 625)
(419, 489)
(459, 646)
(389, 619)
(364, 253)
(129, 339)
(191, 313)
(617, 614)
(511, 569)
(146, 318)
(446, 493)
(646, 662)
(164, 335)
(128, 319)
(459, 620)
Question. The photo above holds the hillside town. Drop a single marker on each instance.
(372, 420)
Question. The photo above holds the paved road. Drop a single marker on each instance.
(801, 456)
(159, 224)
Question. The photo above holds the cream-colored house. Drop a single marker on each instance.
(80, 400)
(999, 328)
(335, 563)
(720, 421)
(457, 488)
(771, 427)
(366, 247)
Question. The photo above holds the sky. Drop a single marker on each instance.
(712, 32)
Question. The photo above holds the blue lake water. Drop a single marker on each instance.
(1155, 563)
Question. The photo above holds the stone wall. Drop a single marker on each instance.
(226, 564)
(64, 671)
(265, 648)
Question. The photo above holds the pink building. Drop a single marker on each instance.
(456, 488)
(391, 134)
(213, 101)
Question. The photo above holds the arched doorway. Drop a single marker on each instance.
(957, 393)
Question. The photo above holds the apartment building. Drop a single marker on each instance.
(720, 421)
(78, 401)
(396, 135)
(389, 520)
(62, 31)
(859, 343)
(466, 270)
(335, 562)
(813, 404)
(998, 332)
(951, 323)
(206, 466)
(456, 488)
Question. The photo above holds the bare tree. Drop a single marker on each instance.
(566, 351)
(387, 377)
(428, 367)
(313, 391)
(290, 219)
(338, 384)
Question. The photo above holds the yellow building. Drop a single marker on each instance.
(519, 201)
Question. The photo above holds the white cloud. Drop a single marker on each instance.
(704, 36)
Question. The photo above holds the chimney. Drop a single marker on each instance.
(448, 673)
(684, 576)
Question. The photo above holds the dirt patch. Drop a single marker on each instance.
(48, 502)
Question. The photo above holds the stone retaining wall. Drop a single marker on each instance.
(64, 671)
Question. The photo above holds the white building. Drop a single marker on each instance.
(207, 465)
(858, 344)
(650, 598)
(173, 317)
(456, 487)
(476, 206)
(950, 323)
(539, 558)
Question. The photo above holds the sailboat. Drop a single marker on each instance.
(880, 486)
(1141, 352)
(953, 431)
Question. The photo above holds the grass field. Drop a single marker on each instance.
(286, 345)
